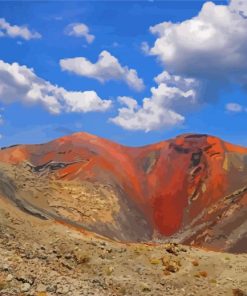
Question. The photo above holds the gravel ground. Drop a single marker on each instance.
(45, 258)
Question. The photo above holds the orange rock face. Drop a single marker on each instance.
(193, 184)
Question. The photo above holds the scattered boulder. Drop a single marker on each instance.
(25, 287)
(25, 279)
(81, 257)
(203, 273)
(9, 278)
(172, 248)
(171, 265)
(195, 263)
(145, 287)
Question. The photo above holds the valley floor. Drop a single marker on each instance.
(45, 258)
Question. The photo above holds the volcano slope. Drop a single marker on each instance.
(191, 189)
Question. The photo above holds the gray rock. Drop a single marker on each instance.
(9, 278)
(25, 287)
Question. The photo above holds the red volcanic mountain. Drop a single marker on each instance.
(190, 189)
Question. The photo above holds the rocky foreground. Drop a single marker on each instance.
(43, 257)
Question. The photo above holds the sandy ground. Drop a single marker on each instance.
(39, 257)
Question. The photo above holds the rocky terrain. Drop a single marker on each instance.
(191, 189)
(85, 216)
(47, 258)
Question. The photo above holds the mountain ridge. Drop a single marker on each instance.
(170, 189)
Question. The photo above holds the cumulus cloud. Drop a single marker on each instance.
(14, 31)
(79, 30)
(163, 109)
(210, 46)
(106, 68)
(200, 56)
(20, 83)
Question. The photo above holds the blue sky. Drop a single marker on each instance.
(214, 102)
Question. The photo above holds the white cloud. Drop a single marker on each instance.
(145, 47)
(175, 80)
(200, 56)
(14, 31)
(235, 107)
(239, 6)
(20, 83)
(106, 68)
(79, 30)
(210, 46)
(172, 97)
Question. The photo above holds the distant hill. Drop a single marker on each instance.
(191, 189)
